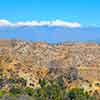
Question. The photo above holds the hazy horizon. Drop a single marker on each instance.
(50, 20)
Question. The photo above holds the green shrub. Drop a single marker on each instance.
(2, 92)
(29, 91)
(1, 80)
(16, 91)
(77, 94)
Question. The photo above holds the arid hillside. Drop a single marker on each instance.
(34, 60)
(44, 54)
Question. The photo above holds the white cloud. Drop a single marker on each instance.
(64, 23)
(4, 22)
(40, 23)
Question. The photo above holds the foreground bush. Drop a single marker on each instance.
(48, 90)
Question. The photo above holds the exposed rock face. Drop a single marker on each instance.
(58, 57)
(43, 54)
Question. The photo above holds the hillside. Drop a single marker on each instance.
(42, 54)
(19, 54)
(77, 63)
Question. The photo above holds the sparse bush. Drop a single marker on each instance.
(1, 80)
(2, 92)
(16, 91)
(22, 81)
(29, 91)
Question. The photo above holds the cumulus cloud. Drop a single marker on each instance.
(40, 23)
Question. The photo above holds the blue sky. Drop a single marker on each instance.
(87, 12)
(70, 13)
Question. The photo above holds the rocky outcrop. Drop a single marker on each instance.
(31, 58)
(42, 54)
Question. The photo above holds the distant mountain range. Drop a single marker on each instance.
(51, 34)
